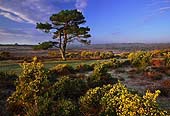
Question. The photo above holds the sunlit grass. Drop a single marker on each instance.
(14, 67)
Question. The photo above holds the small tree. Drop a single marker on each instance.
(65, 27)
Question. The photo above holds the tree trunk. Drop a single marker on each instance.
(63, 47)
(63, 56)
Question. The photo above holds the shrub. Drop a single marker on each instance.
(52, 53)
(73, 55)
(84, 67)
(4, 55)
(100, 76)
(124, 55)
(69, 88)
(156, 53)
(140, 59)
(106, 55)
(111, 63)
(31, 96)
(96, 54)
(86, 54)
(62, 69)
(90, 102)
(116, 100)
(64, 107)
(167, 59)
(100, 70)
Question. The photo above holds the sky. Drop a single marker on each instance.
(110, 21)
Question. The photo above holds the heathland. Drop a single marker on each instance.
(101, 79)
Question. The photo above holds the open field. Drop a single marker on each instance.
(11, 66)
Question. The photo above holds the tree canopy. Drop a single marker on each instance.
(66, 26)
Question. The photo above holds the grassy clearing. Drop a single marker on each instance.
(14, 67)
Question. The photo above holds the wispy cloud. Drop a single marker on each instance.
(29, 11)
(11, 16)
(15, 16)
(81, 4)
(32, 11)
(156, 8)
(162, 9)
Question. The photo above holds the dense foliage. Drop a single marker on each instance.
(140, 59)
(62, 69)
(116, 100)
(84, 67)
(43, 46)
(31, 96)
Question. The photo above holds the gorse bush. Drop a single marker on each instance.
(4, 55)
(65, 107)
(97, 54)
(116, 100)
(100, 70)
(140, 59)
(62, 69)
(124, 55)
(73, 55)
(83, 68)
(31, 96)
(90, 102)
(69, 88)
(52, 53)
(38, 94)
(167, 59)
(86, 54)
(106, 55)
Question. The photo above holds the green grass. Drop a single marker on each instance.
(14, 67)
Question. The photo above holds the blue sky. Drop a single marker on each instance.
(111, 21)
